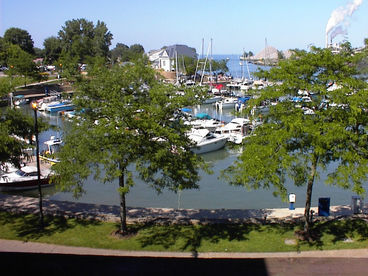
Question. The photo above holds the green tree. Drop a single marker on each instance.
(68, 65)
(190, 65)
(15, 123)
(220, 66)
(120, 53)
(127, 125)
(52, 46)
(3, 51)
(299, 140)
(21, 63)
(21, 38)
(81, 39)
(124, 53)
(101, 40)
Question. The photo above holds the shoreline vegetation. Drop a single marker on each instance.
(78, 225)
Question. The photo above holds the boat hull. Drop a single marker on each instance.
(211, 146)
(24, 185)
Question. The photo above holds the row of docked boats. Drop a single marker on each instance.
(211, 134)
(53, 104)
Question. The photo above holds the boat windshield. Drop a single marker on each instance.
(20, 173)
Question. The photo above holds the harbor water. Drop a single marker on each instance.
(214, 192)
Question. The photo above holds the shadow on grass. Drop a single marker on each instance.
(340, 229)
(190, 237)
(28, 226)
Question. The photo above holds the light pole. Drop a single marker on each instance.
(34, 107)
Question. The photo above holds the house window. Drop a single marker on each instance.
(163, 63)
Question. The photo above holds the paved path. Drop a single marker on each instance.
(68, 260)
(111, 213)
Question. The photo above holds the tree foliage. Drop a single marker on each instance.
(21, 38)
(53, 49)
(127, 126)
(13, 124)
(81, 39)
(21, 63)
(125, 53)
(298, 138)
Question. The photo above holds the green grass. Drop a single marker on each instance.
(198, 238)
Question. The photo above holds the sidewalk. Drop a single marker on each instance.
(43, 248)
(68, 260)
(15, 203)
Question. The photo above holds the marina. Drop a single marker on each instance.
(214, 192)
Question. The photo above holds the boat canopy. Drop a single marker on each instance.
(185, 109)
(203, 116)
(243, 99)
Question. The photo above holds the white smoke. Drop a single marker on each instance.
(339, 19)
(339, 30)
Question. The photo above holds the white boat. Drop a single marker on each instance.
(53, 146)
(210, 124)
(212, 100)
(206, 141)
(60, 106)
(7, 168)
(236, 130)
(44, 102)
(25, 178)
(228, 102)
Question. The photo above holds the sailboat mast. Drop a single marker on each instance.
(211, 62)
(205, 63)
(199, 58)
(177, 70)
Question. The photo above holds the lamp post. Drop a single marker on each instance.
(34, 107)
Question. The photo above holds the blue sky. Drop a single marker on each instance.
(233, 25)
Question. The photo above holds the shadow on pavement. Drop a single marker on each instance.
(59, 264)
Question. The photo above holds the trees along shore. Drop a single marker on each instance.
(296, 138)
(128, 119)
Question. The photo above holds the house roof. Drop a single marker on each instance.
(182, 50)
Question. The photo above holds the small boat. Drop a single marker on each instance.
(203, 120)
(20, 100)
(25, 178)
(228, 102)
(60, 106)
(53, 146)
(236, 130)
(206, 141)
(212, 100)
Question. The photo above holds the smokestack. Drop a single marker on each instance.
(339, 19)
(326, 40)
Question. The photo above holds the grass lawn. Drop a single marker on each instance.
(336, 234)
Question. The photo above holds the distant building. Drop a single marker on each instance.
(166, 56)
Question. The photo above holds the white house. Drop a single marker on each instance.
(165, 57)
(160, 59)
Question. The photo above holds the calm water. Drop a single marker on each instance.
(214, 193)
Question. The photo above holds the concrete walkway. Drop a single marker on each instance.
(16, 203)
(43, 248)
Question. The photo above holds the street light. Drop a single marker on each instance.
(34, 107)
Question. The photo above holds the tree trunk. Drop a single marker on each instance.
(123, 224)
(307, 216)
